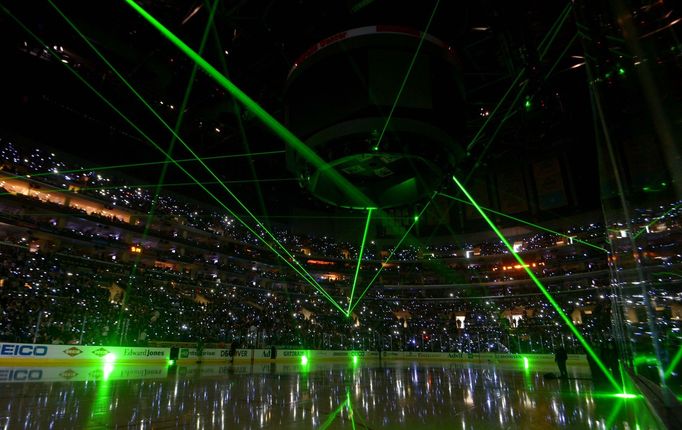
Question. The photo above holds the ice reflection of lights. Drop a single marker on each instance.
(469, 399)
(246, 401)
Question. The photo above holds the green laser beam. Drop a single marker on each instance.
(143, 164)
(480, 131)
(542, 288)
(614, 413)
(171, 147)
(201, 64)
(528, 223)
(656, 220)
(393, 251)
(179, 166)
(555, 31)
(558, 60)
(349, 407)
(554, 28)
(406, 78)
(276, 127)
(357, 268)
(668, 273)
(332, 417)
(240, 123)
(673, 363)
(544, 45)
(260, 113)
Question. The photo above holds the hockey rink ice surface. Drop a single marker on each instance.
(369, 395)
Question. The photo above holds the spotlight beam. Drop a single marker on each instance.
(357, 268)
(542, 288)
(184, 144)
(178, 165)
(530, 224)
(655, 220)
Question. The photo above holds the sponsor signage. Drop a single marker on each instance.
(73, 351)
(22, 350)
(81, 373)
(76, 353)
(10, 351)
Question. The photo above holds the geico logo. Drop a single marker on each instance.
(21, 374)
(24, 350)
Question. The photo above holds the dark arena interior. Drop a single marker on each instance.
(341, 214)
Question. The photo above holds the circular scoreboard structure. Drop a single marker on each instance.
(340, 95)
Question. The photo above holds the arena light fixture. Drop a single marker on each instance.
(172, 160)
(655, 220)
(542, 288)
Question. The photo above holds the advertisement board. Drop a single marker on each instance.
(28, 352)
(107, 371)
(11, 353)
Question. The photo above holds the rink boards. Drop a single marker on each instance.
(35, 354)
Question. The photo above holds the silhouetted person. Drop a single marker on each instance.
(233, 350)
(560, 356)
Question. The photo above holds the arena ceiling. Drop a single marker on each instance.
(256, 43)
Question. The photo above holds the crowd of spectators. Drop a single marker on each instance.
(244, 294)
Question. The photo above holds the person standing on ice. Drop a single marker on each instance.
(560, 356)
